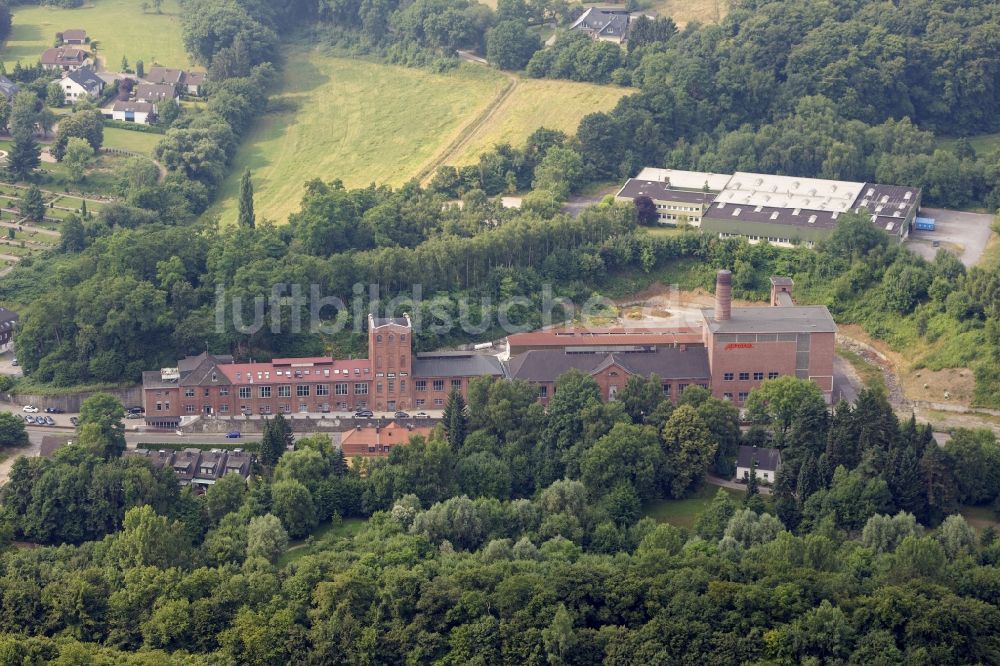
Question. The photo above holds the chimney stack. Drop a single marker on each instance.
(723, 295)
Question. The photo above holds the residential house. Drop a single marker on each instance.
(377, 441)
(81, 83)
(8, 88)
(155, 93)
(173, 77)
(74, 36)
(64, 58)
(141, 113)
(193, 82)
(606, 25)
(199, 469)
(189, 82)
(768, 462)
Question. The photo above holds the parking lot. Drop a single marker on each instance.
(964, 234)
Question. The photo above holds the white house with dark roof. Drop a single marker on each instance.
(141, 113)
(768, 462)
(81, 83)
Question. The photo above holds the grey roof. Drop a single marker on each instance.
(794, 319)
(386, 321)
(188, 464)
(134, 107)
(889, 204)
(193, 370)
(154, 92)
(796, 217)
(456, 364)
(63, 55)
(86, 78)
(785, 299)
(545, 365)
(164, 75)
(74, 33)
(660, 191)
(603, 22)
(189, 363)
(781, 281)
(7, 87)
(768, 459)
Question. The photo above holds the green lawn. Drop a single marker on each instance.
(683, 513)
(123, 139)
(538, 103)
(119, 26)
(354, 120)
(322, 537)
(983, 144)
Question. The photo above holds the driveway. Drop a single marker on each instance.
(964, 234)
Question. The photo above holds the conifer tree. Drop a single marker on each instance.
(24, 156)
(246, 219)
(456, 424)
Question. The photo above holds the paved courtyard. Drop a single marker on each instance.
(964, 234)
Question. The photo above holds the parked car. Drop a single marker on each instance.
(31, 409)
(13, 361)
(364, 414)
(401, 415)
(136, 410)
(134, 416)
(49, 420)
(235, 434)
(421, 415)
(246, 412)
(74, 420)
(29, 419)
(54, 410)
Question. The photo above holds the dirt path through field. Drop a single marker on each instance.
(467, 133)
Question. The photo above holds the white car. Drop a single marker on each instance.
(31, 409)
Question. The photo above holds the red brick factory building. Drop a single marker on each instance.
(731, 352)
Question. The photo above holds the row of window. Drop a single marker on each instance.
(745, 376)
(742, 394)
(438, 384)
(402, 337)
(688, 209)
(266, 374)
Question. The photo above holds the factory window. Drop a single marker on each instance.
(772, 375)
(378, 338)
(727, 396)
(419, 402)
(244, 391)
(322, 389)
(727, 376)
(159, 406)
(743, 396)
(438, 402)
(341, 388)
(285, 391)
(224, 408)
(543, 391)
(361, 389)
(438, 384)
(223, 391)
(456, 384)
(420, 385)
(302, 390)
(205, 393)
(189, 393)
(378, 387)
(265, 391)
(758, 376)
(680, 389)
(744, 376)
(666, 390)
(189, 409)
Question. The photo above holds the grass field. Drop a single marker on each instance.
(365, 122)
(119, 26)
(140, 142)
(683, 513)
(322, 538)
(983, 144)
(539, 103)
(354, 120)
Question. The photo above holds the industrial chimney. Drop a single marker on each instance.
(723, 295)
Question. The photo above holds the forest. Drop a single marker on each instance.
(515, 535)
